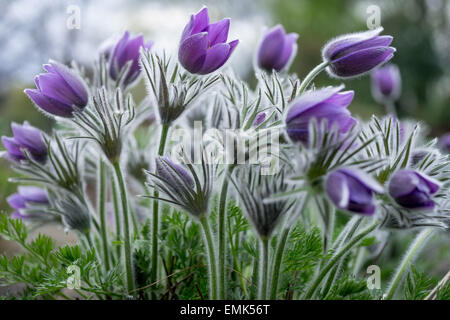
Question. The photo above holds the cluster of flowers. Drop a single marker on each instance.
(326, 153)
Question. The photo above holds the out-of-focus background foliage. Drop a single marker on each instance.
(32, 31)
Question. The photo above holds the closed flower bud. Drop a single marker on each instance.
(355, 54)
(26, 198)
(444, 142)
(325, 104)
(386, 83)
(352, 190)
(203, 47)
(58, 91)
(412, 189)
(25, 137)
(260, 117)
(126, 53)
(276, 49)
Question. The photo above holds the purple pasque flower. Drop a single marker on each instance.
(126, 52)
(444, 141)
(260, 118)
(412, 189)
(276, 49)
(173, 173)
(386, 83)
(353, 190)
(59, 90)
(26, 198)
(355, 54)
(203, 47)
(328, 104)
(25, 137)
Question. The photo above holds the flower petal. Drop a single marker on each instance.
(192, 52)
(50, 105)
(218, 32)
(337, 189)
(215, 58)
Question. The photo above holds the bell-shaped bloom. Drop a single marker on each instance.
(352, 190)
(412, 189)
(276, 49)
(324, 104)
(386, 83)
(59, 90)
(26, 198)
(355, 54)
(25, 137)
(125, 53)
(203, 46)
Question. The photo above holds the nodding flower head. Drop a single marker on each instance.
(203, 46)
(182, 185)
(254, 190)
(124, 58)
(276, 49)
(386, 83)
(413, 190)
(27, 197)
(352, 190)
(355, 54)
(325, 104)
(59, 91)
(26, 138)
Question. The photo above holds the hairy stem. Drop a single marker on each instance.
(222, 233)
(264, 266)
(277, 264)
(335, 258)
(126, 227)
(311, 75)
(411, 254)
(115, 196)
(101, 199)
(211, 257)
(155, 226)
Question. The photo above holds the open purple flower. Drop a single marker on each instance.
(203, 47)
(352, 190)
(25, 137)
(355, 54)
(26, 198)
(126, 52)
(412, 189)
(58, 91)
(386, 83)
(324, 104)
(276, 49)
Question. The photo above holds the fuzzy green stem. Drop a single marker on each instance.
(101, 199)
(264, 267)
(116, 215)
(222, 233)
(126, 227)
(255, 277)
(277, 264)
(311, 75)
(155, 220)
(411, 254)
(211, 257)
(335, 258)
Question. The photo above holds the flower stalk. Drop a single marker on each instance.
(211, 257)
(411, 254)
(264, 268)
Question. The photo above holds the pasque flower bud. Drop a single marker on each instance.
(127, 51)
(203, 47)
(276, 49)
(355, 54)
(25, 198)
(352, 190)
(25, 137)
(327, 103)
(412, 189)
(386, 83)
(58, 91)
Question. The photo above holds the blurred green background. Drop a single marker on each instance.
(36, 31)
